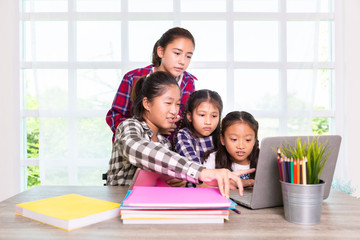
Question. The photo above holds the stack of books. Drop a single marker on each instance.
(170, 205)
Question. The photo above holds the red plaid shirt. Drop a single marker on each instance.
(121, 106)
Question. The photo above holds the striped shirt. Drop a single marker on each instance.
(191, 146)
(134, 148)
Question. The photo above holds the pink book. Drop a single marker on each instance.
(150, 179)
(176, 197)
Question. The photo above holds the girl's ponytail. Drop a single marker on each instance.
(156, 60)
(136, 98)
(253, 157)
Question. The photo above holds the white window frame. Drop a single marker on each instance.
(230, 65)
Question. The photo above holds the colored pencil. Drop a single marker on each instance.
(307, 170)
(291, 170)
(279, 164)
(283, 168)
(295, 172)
(301, 172)
(304, 171)
(298, 170)
(287, 169)
(280, 171)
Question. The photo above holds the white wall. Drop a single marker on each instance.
(9, 100)
(352, 88)
(10, 96)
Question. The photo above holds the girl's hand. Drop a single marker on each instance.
(248, 182)
(204, 185)
(221, 178)
(176, 182)
(224, 179)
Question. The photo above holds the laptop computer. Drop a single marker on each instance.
(266, 191)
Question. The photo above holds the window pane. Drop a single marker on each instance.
(150, 6)
(55, 175)
(32, 137)
(210, 39)
(96, 87)
(256, 89)
(256, 5)
(309, 41)
(29, 90)
(32, 176)
(51, 87)
(45, 5)
(268, 127)
(299, 126)
(91, 176)
(142, 37)
(45, 41)
(300, 89)
(309, 89)
(99, 41)
(256, 41)
(321, 126)
(309, 6)
(94, 138)
(98, 5)
(324, 89)
(213, 79)
(203, 6)
(54, 140)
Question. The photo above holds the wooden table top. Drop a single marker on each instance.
(340, 219)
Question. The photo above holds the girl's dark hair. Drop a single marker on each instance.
(194, 100)
(168, 37)
(222, 156)
(150, 86)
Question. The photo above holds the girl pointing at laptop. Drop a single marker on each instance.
(138, 142)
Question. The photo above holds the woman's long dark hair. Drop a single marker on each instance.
(150, 86)
(223, 159)
(194, 100)
(168, 37)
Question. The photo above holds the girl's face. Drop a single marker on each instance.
(239, 140)
(204, 118)
(175, 58)
(162, 110)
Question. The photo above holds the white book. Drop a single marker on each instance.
(175, 221)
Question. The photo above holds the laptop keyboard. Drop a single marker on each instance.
(244, 200)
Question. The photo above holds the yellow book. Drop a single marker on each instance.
(69, 212)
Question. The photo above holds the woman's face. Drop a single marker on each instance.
(239, 140)
(161, 112)
(176, 56)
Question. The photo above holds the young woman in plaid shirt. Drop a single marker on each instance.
(138, 142)
(172, 53)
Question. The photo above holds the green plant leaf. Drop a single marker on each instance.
(316, 154)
